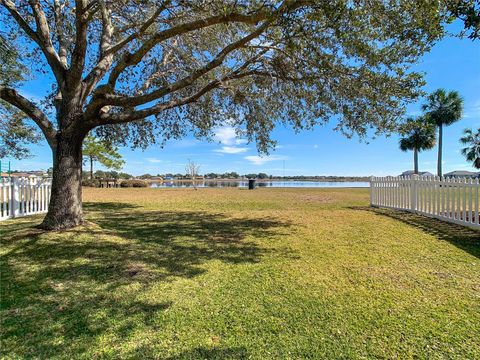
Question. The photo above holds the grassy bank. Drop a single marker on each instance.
(231, 273)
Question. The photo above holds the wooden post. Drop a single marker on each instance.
(15, 211)
(372, 189)
(414, 188)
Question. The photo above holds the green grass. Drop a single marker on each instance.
(231, 273)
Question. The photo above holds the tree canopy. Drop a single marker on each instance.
(467, 11)
(443, 107)
(417, 134)
(15, 132)
(154, 70)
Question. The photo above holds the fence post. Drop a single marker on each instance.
(15, 197)
(414, 191)
(371, 190)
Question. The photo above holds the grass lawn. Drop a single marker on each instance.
(232, 273)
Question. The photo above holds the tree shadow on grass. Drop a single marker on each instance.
(65, 285)
(108, 207)
(462, 237)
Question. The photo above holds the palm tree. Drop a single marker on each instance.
(418, 135)
(472, 151)
(443, 108)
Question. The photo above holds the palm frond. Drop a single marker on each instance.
(444, 108)
(472, 151)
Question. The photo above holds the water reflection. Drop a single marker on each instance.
(269, 184)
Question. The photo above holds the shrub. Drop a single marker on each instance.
(133, 183)
(90, 183)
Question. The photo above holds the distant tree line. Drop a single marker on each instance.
(100, 174)
(259, 176)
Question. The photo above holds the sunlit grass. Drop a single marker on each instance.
(232, 273)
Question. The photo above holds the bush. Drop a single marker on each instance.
(133, 183)
(90, 183)
(126, 183)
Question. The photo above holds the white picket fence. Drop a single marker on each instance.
(451, 199)
(24, 196)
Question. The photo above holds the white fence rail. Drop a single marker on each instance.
(451, 199)
(23, 196)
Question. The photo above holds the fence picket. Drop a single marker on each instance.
(475, 200)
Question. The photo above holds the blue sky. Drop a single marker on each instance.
(453, 64)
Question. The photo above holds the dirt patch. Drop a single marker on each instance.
(136, 269)
(442, 275)
(316, 198)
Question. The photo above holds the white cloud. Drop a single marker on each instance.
(260, 160)
(231, 150)
(315, 146)
(227, 135)
(154, 160)
(184, 143)
(461, 166)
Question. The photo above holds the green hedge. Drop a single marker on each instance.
(90, 183)
(133, 183)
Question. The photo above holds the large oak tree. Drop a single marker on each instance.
(142, 70)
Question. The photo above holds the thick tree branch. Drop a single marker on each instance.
(91, 8)
(41, 36)
(107, 29)
(105, 62)
(129, 116)
(156, 109)
(107, 50)
(10, 6)
(38, 116)
(78, 55)
(62, 41)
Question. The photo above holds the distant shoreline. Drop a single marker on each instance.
(264, 180)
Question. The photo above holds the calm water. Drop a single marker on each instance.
(275, 184)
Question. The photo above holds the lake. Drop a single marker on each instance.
(267, 184)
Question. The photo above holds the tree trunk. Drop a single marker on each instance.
(91, 168)
(65, 209)
(415, 161)
(440, 141)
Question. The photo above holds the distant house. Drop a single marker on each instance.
(421, 173)
(25, 174)
(462, 174)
